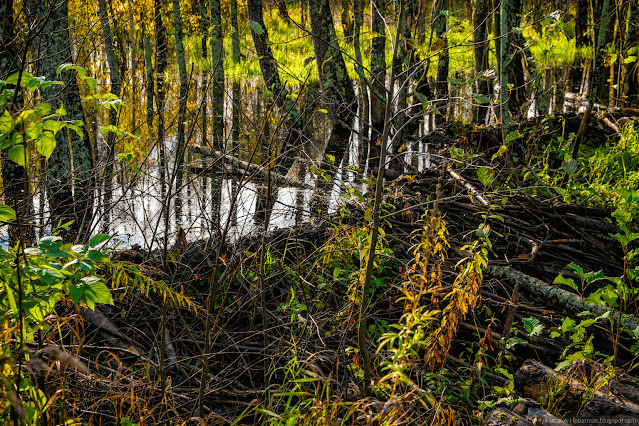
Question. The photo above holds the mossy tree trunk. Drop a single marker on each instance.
(204, 29)
(160, 69)
(513, 89)
(364, 103)
(378, 86)
(273, 83)
(440, 15)
(480, 47)
(632, 50)
(69, 170)
(594, 76)
(337, 86)
(217, 64)
(14, 177)
(150, 84)
(582, 40)
(116, 84)
(183, 97)
(337, 89)
(402, 65)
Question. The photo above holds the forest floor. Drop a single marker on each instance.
(482, 281)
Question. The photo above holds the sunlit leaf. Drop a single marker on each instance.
(46, 144)
(256, 27)
(16, 154)
(6, 213)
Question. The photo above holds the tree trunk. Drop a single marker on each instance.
(160, 69)
(337, 86)
(184, 90)
(337, 89)
(69, 171)
(116, 84)
(378, 86)
(480, 46)
(594, 76)
(512, 58)
(347, 20)
(217, 63)
(441, 86)
(364, 109)
(237, 106)
(134, 77)
(150, 86)
(14, 177)
(273, 83)
(402, 65)
(204, 29)
(581, 41)
(632, 50)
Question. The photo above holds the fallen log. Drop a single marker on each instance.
(538, 381)
(504, 417)
(532, 411)
(563, 298)
(258, 169)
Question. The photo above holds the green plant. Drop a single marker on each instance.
(34, 280)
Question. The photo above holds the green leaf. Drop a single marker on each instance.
(368, 214)
(95, 291)
(86, 265)
(331, 159)
(98, 239)
(566, 281)
(6, 122)
(61, 110)
(33, 131)
(97, 256)
(630, 59)
(512, 136)
(6, 213)
(42, 109)
(481, 100)
(53, 125)
(46, 144)
(16, 154)
(256, 27)
(502, 150)
(486, 175)
(76, 292)
(323, 111)
(578, 270)
(533, 326)
(92, 82)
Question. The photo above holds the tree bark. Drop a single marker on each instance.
(364, 107)
(204, 29)
(441, 86)
(594, 76)
(480, 47)
(116, 84)
(160, 69)
(337, 89)
(69, 171)
(217, 63)
(378, 77)
(150, 85)
(273, 83)
(335, 82)
(14, 177)
(183, 96)
(632, 42)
